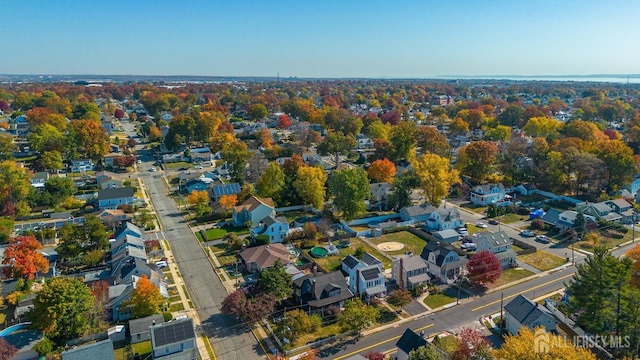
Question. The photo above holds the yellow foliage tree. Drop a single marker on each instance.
(540, 345)
(199, 200)
(227, 202)
(310, 185)
(634, 254)
(436, 176)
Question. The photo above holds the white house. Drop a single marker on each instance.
(486, 194)
(443, 219)
(366, 276)
(444, 262)
(410, 271)
(499, 244)
(81, 165)
(521, 312)
(174, 340)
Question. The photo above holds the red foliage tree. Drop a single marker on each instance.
(7, 351)
(123, 161)
(484, 268)
(375, 356)
(392, 117)
(471, 345)
(119, 114)
(4, 106)
(249, 309)
(283, 121)
(131, 143)
(24, 257)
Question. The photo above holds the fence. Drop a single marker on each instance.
(368, 220)
(526, 248)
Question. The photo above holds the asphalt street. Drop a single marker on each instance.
(230, 340)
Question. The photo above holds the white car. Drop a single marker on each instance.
(139, 161)
(198, 167)
(481, 225)
(152, 169)
(161, 264)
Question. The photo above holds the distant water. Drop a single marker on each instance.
(618, 79)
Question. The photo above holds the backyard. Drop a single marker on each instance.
(411, 242)
(542, 260)
(332, 262)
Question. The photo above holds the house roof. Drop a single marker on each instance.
(350, 261)
(419, 210)
(449, 214)
(487, 187)
(101, 350)
(410, 341)
(115, 193)
(551, 216)
(226, 189)
(385, 186)
(526, 311)
(447, 234)
(324, 284)
(601, 207)
(253, 202)
(424, 277)
(266, 255)
(43, 175)
(494, 240)
(370, 259)
(411, 263)
(138, 326)
(620, 203)
(128, 226)
(370, 273)
(569, 215)
(441, 250)
(172, 332)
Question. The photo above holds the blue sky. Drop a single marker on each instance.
(328, 38)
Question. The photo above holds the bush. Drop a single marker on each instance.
(261, 240)
(307, 244)
(167, 316)
(537, 224)
(44, 347)
(310, 230)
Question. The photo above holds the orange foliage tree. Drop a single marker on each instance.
(382, 170)
(634, 254)
(25, 259)
(227, 202)
(145, 299)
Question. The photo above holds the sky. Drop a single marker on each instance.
(323, 38)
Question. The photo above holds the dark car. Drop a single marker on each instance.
(493, 222)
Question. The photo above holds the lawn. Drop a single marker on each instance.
(321, 333)
(542, 260)
(176, 307)
(332, 262)
(436, 300)
(176, 165)
(410, 241)
(215, 234)
(141, 348)
(225, 260)
(475, 208)
(511, 275)
(511, 218)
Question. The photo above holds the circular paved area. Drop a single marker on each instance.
(390, 246)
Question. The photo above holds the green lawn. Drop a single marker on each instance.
(321, 333)
(511, 218)
(176, 165)
(410, 241)
(436, 300)
(215, 234)
(226, 259)
(511, 275)
(475, 208)
(542, 260)
(141, 348)
(332, 262)
(176, 307)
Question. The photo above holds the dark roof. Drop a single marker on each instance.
(142, 325)
(325, 283)
(441, 250)
(525, 311)
(101, 350)
(551, 217)
(226, 189)
(410, 341)
(172, 332)
(115, 193)
(370, 274)
(419, 209)
(350, 261)
(370, 259)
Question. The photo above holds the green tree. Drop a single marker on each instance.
(426, 352)
(71, 240)
(402, 187)
(96, 233)
(89, 137)
(357, 315)
(477, 159)
(400, 298)
(336, 144)
(6, 147)
(271, 183)
(430, 140)
(594, 291)
(275, 281)
(46, 137)
(236, 155)
(86, 111)
(310, 185)
(512, 116)
(349, 188)
(14, 188)
(59, 188)
(51, 160)
(403, 139)
(61, 310)
(499, 133)
(6, 228)
(435, 175)
(296, 323)
(257, 112)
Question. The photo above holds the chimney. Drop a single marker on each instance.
(153, 323)
(400, 277)
(314, 270)
(313, 288)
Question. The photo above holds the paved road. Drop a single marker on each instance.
(229, 339)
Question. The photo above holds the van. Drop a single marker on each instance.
(161, 264)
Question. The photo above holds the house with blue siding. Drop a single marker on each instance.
(113, 197)
(277, 229)
(486, 194)
(253, 210)
(417, 213)
(444, 219)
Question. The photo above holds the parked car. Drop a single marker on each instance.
(161, 264)
(152, 169)
(463, 231)
(543, 239)
(139, 161)
(481, 225)
(527, 233)
(198, 167)
(493, 222)
(468, 246)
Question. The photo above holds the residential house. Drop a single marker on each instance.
(139, 328)
(551, 217)
(129, 229)
(172, 158)
(253, 210)
(39, 179)
(107, 124)
(567, 218)
(195, 185)
(442, 100)
(410, 271)
(220, 190)
(444, 262)
(449, 236)
(366, 276)
(258, 258)
(408, 342)
(417, 213)
(380, 192)
(624, 209)
(443, 219)
(365, 143)
(99, 350)
(521, 312)
(277, 229)
(108, 159)
(499, 244)
(125, 283)
(113, 218)
(166, 116)
(321, 290)
(200, 155)
(174, 340)
(81, 165)
(113, 197)
(108, 183)
(486, 194)
(599, 210)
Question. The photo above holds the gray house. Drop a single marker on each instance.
(175, 340)
(417, 213)
(139, 328)
(521, 312)
(499, 244)
(101, 350)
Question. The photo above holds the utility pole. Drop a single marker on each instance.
(501, 313)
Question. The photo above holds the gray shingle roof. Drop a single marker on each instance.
(551, 216)
(226, 189)
(115, 193)
(142, 325)
(172, 332)
(370, 259)
(101, 350)
(410, 341)
(525, 311)
(412, 263)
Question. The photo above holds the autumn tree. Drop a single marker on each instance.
(24, 258)
(227, 202)
(544, 127)
(382, 171)
(634, 255)
(51, 160)
(430, 140)
(6, 147)
(458, 126)
(336, 144)
(283, 121)
(62, 309)
(7, 350)
(349, 188)
(145, 300)
(89, 138)
(403, 139)
(435, 175)
(400, 298)
(477, 159)
(200, 201)
(374, 356)
(47, 137)
(118, 114)
(14, 188)
(425, 352)
(484, 268)
(617, 157)
(296, 323)
(272, 182)
(275, 281)
(310, 185)
(471, 345)
(527, 343)
(236, 155)
(247, 308)
(6, 228)
(498, 133)
(357, 315)
(257, 112)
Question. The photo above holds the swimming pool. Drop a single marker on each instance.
(14, 328)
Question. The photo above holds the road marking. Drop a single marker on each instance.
(522, 292)
(378, 344)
